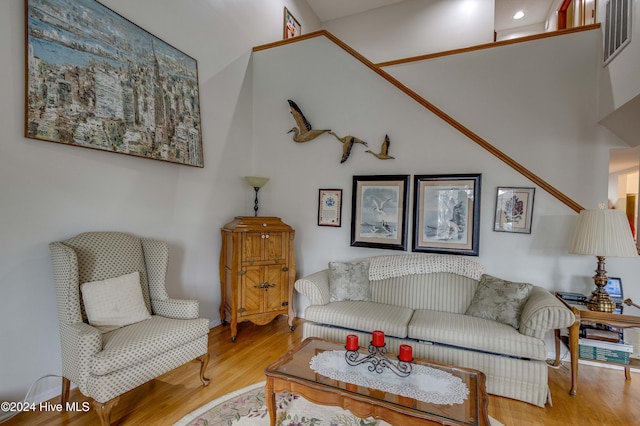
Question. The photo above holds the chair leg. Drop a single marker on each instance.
(64, 396)
(204, 362)
(103, 410)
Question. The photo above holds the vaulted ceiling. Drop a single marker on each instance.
(535, 11)
(622, 122)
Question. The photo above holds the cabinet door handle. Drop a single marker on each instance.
(265, 285)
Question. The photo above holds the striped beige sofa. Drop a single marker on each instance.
(421, 300)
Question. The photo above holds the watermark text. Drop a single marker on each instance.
(7, 406)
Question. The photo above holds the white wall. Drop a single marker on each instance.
(532, 101)
(520, 32)
(416, 27)
(50, 192)
(335, 91)
(619, 81)
(528, 99)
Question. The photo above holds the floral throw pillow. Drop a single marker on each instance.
(499, 300)
(349, 281)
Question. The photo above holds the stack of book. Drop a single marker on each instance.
(599, 350)
(632, 337)
(600, 334)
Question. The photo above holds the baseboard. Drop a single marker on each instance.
(607, 365)
(6, 415)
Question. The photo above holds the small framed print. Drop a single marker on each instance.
(446, 215)
(514, 210)
(330, 207)
(292, 27)
(379, 211)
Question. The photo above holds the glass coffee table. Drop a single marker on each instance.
(292, 373)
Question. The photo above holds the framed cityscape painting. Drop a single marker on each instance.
(446, 215)
(96, 80)
(379, 211)
(514, 208)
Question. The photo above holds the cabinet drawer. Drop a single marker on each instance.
(263, 247)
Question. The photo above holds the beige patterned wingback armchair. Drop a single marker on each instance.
(104, 365)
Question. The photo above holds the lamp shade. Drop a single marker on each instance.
(603, 232)
(256, 181)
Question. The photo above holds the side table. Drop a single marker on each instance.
(583, 314)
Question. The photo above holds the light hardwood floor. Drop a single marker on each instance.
(604, 397)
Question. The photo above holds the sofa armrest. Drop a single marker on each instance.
(544, 312)
(315, 287)
(176, 308)
(79, 341)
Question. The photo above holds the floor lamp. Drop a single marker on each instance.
(602, 233)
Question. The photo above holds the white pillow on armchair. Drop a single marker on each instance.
(114, 302)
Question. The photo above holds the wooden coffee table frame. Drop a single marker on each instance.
(360, 405)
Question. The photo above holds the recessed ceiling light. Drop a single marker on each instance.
(519, 15)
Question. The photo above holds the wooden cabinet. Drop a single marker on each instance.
(257, 271)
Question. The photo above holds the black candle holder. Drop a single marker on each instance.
(378, 359)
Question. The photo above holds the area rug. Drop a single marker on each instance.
(246, 407)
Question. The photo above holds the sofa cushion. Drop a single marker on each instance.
(474, 333)
(144, 340)
(364, 316)
(441, 291)
(349, 281)
(499, 300)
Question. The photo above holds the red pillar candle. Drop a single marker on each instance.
(377, 338)
(352, 342)
(406, 353)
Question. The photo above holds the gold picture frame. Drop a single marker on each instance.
(84, 68)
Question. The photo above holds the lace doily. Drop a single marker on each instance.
(383, 267)
(424, 383)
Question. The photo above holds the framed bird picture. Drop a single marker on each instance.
(379, 211)
(446, 214)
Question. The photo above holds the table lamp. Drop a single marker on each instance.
(257, 183)
(602, 233)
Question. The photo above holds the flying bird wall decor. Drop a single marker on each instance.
(384, 150)
(303, 132)
(347, 144)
